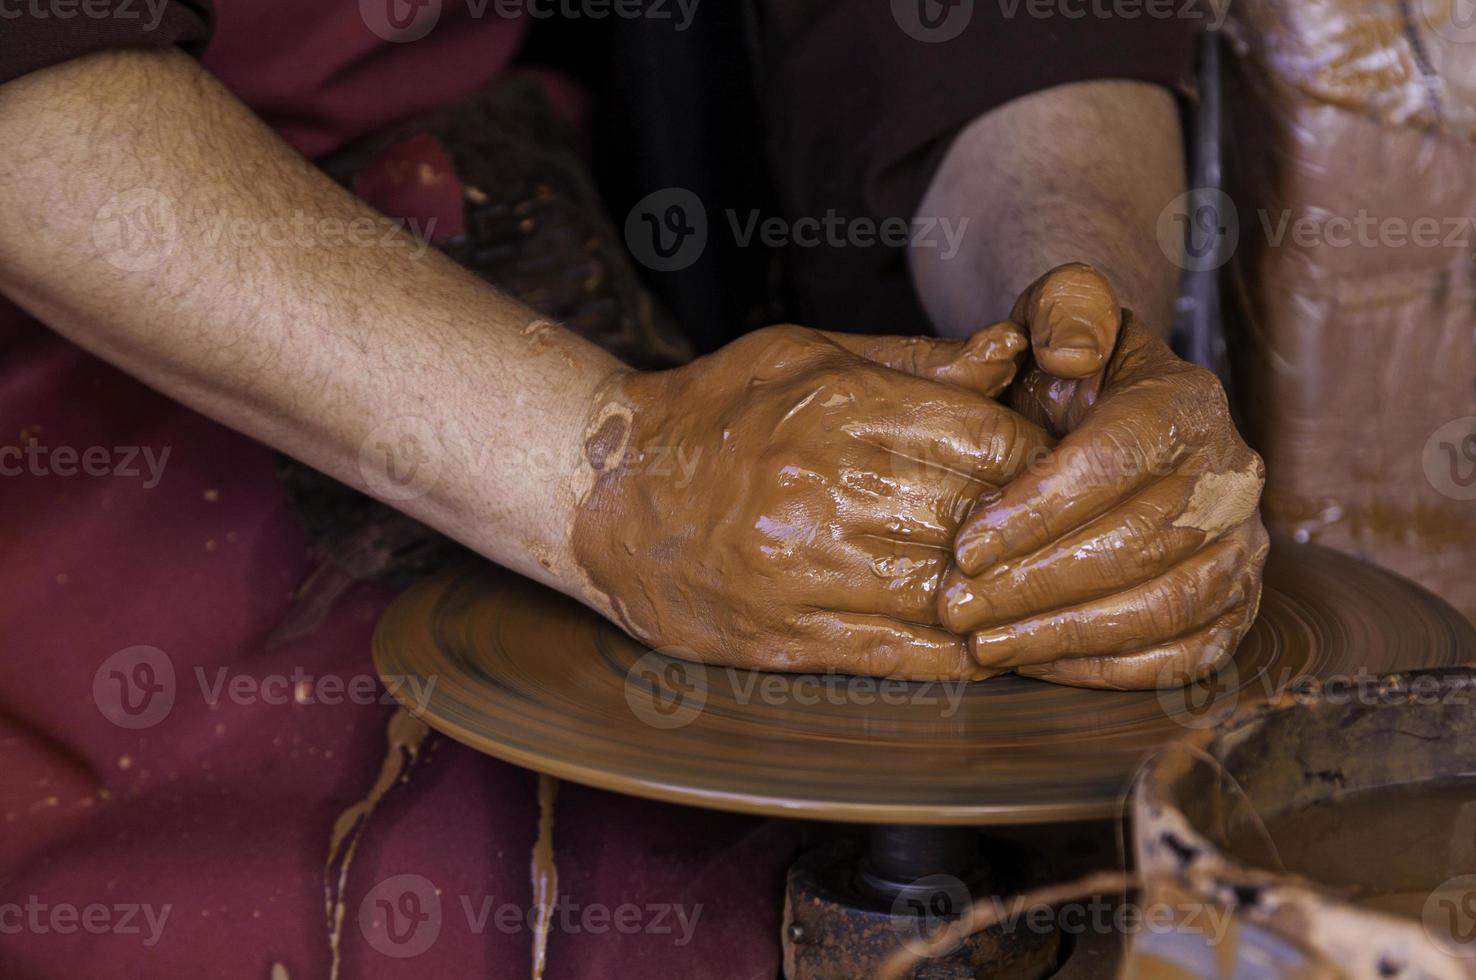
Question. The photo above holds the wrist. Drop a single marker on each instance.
(594, 504)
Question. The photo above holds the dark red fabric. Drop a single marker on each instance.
(416, 177)
(322, 76)
(34, 35)
(221, 810)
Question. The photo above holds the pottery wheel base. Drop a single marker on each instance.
(852, 900)
(532, 677)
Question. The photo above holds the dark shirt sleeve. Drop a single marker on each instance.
(861, 98)
(34, 36)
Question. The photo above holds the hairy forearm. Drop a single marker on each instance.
(1078, 173)
(149, 217)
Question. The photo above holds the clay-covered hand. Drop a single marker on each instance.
(790, 501)
(1130, 556)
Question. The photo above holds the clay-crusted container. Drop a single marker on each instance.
(1350, 764)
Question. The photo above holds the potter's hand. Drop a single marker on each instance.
(1131, 556)
(790, 501)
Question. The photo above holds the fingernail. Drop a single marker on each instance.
(976, 550)
(1069, 362)
(1068, 326)
(992, 648)
(962, 607)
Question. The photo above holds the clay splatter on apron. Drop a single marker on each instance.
(406, 735)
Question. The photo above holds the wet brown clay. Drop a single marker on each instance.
(535, 678)
(1130, 556)
(835, 471)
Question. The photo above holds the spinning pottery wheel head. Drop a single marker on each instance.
(532, 677)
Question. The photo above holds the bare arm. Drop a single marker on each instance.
(148, 216)
(1077, 173)
(818, 479)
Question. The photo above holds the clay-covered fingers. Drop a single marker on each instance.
(849, 569)
(897, 579)
(984, 364)
(1073, 318)
(1164, 665)
(913, 499)
(877, 646)
(1134, 546)
(893, 536)
(1194, 593)
(1112, 457)
(937, 432)
(1144, 537)
(1156, 415)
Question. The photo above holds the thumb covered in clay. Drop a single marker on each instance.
(1073, 319)
(984, 364)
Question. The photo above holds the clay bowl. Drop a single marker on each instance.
(1329, 832)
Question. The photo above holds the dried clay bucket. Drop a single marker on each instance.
(1330, 832)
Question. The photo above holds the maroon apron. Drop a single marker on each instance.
(180, 799)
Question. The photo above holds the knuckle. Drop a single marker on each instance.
(777, 344)
(955, 598)
(883, 659)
